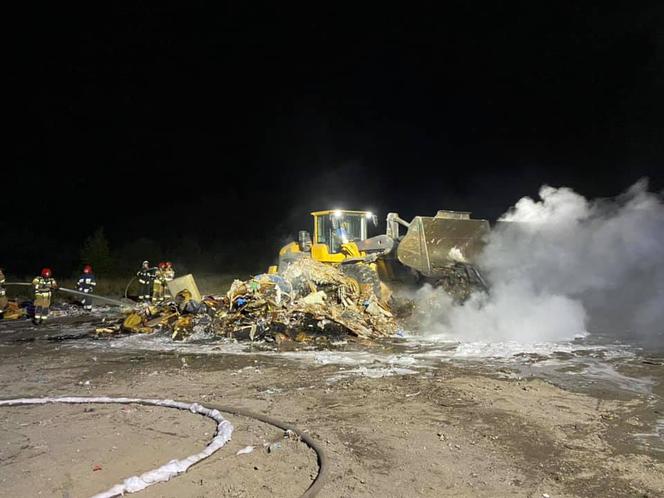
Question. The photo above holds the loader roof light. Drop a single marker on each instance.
(337, 213)
(369, 215)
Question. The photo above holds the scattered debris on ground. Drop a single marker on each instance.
(14, 311)
(308, 302)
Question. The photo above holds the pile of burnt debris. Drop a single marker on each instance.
(308, 302)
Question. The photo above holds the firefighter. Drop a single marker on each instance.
(86, 283)
(169, 275)
(3, 293)
(44, 286)
(146, 276)
(159, 283)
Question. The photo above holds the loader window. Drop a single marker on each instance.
(334, 231)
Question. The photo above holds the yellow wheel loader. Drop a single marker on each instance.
(439, 249)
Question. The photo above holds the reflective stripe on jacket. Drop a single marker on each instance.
(44, 286)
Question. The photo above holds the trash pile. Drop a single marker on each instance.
(14, 311)
(308, 302)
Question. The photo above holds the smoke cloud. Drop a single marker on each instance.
(562, 266)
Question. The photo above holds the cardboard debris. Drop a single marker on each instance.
(317, 297)
(309, 302)
(184, 282)
(13, 311)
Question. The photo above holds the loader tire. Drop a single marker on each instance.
(364, 275)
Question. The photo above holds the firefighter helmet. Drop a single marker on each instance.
(146, 263)
(87, 269)
(162, 265)
(46, 272)
(169, 264)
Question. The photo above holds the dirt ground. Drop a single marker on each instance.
(447, 431)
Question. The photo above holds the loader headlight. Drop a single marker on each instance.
(369, 215)
(337, 213)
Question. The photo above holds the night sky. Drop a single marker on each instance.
(222, 127)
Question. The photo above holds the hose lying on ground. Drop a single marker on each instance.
(318, 482)
(166, 471)
(175, 467)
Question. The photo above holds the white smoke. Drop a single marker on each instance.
(564, 265)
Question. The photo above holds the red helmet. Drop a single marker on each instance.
(169, 264)
(162, 265)
(87, 269)
(46, 272)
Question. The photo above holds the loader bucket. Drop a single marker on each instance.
(433, 244)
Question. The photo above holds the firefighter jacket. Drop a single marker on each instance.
(146, 275)
(160, 276)
(86, 283)
(44, 286)
(2, 283)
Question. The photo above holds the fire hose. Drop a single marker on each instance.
(78, 293)
(127, 288)
(317, 484)
(92, 296)
(175, 467)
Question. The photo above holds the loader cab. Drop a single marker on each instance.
(335, 235)
(336, 228)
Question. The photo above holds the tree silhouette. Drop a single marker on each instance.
(96, 252)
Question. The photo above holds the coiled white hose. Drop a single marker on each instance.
(166, 471)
